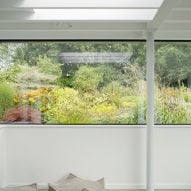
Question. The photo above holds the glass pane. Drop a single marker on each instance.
(73, 82)
(173, 83)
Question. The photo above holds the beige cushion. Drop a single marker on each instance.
(32, 187)
(74, 183)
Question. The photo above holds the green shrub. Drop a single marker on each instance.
(65, 81)
(186, 94)
(109, 74)
(187, 97)
(114, 88)
(10, 73)
(104, 113)
(6, 98)
(114, 91)
(132, 111)
(47, 66)
(171, 114)
(66, 107)
(30, 77)
(171, 107)
(87, 79)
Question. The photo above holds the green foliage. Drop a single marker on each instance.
(131, 75)
(114, 91)
(172, 63)
(170, 107)
(133, 110)
(109, 74)
(7, 51)
(6, 98)
(172, 59)
(99, 93)
(187, 97)
(114, 88)
(10, 73)
(104, 113)
(65, 81)
(87, 79)
(66, 107)
(29, 52)
(47, 66)
(35, 79)
(171, 114)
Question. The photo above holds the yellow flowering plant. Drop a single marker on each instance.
(37, 98)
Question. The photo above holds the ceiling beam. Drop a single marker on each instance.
(175, 26)
(78, 34)
(78, 15)
(173, 35)
(60, 4)
(183, 15)
(16, 15)
(166, 7)
(184, 4)
(73, 26)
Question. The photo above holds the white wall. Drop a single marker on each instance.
(2, 156)
(43, 155)
(46, 154)
(173, 157)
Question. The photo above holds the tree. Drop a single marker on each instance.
(173, 63)
(87, 79)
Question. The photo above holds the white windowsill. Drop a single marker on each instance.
(90, 126)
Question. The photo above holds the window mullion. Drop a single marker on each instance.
(150, 111)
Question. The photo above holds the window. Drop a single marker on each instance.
(73, 82)
(173, 83)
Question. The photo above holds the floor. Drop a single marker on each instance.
(144, 190)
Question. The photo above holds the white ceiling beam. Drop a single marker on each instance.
(83, 34)
(178, 21)
(180, 16)
(77, 34)
(73, 26)
(182, 9)
(162, 13)
(16, 15)
(79, 15)
(173, 35)
(60, 4)
(175, 26)
(184, 4)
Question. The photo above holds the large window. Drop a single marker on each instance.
(173, 83)
(73, 82)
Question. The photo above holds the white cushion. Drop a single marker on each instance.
(74, 183)
(32, 187)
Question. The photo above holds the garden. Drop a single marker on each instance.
(38, 85)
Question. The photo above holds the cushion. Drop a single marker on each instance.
(32, 187)
(74, 183)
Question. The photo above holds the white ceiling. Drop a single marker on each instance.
(95, 19)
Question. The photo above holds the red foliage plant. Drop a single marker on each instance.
(23, 115)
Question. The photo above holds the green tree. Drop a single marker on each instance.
(173, 63)
(87, 79)
(46, 65)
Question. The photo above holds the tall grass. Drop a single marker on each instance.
(173, 105)
(6, 98)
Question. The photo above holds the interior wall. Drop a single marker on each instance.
(2, 156)
(173, 157)
(44, 154)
